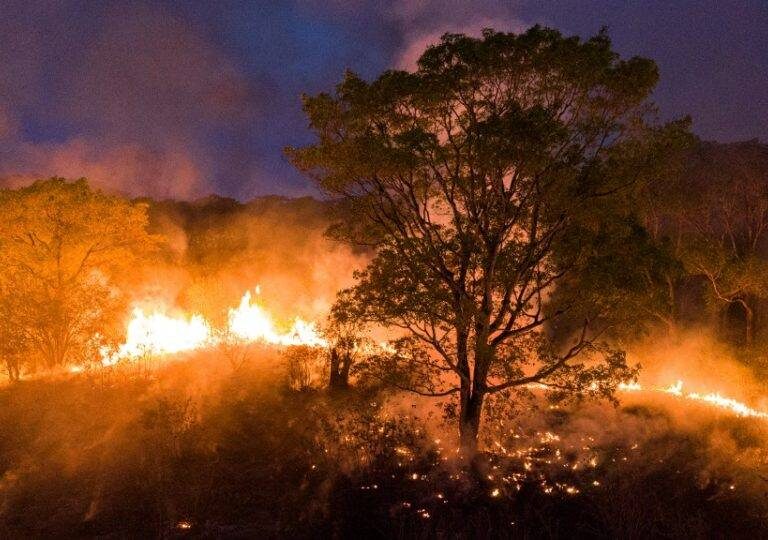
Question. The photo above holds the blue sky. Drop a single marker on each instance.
(181, 99)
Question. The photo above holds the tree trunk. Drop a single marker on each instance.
(334, 375)
(673, 316)
(346, 365)
(469, 421)
(472, 403)
(340, 365)
(749, 322)
(14, 374)
(469, 417)
(749, 325)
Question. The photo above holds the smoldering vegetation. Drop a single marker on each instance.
(249, 442)
(196, 449)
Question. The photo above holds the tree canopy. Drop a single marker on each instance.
(63, 249)
(488, 181)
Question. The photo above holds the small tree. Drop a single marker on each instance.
(12, 337)
(483, 181)
(63, 250)
(235, 349)
(344, 335)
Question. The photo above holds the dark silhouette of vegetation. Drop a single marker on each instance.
(246, 456)
(714, 217)
(345, 334)
(484, 180)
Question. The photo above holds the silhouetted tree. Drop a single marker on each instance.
(344, 334)
(482, 180)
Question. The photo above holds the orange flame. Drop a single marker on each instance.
(159, 334)
(250, 322)
(713, 398)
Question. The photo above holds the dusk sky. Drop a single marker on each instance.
(183, 99)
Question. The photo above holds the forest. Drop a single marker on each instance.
(521, 305)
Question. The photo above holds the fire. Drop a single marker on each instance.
(250, 322)
(675, 389)
(159, 334)
(631, 386)
(713, 398)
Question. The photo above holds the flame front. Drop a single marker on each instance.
(160, 334)
(713, 398)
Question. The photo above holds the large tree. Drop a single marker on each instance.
(484, 181)
(63, 248)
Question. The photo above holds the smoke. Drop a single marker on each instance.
(701, 361)
(127, 168)
(175, 101)
(218, 248)
(423, 23)
(413, 26)
(141, 102)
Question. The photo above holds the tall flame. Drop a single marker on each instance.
(250, 322)
(160, 334)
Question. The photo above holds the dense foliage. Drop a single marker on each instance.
(64, 250)
(488, 181)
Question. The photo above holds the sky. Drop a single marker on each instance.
(184, 99)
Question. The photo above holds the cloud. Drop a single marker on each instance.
(166, 100)
(149, 75)
(413, 25)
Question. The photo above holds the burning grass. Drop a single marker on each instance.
(160, 334)
(195, 448)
